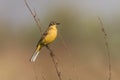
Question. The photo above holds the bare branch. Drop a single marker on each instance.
(37, 20)
(52, 55)
(107, 47)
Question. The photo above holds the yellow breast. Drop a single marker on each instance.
(52, 34)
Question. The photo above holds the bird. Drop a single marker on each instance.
(48, 37)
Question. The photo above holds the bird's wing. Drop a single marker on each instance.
(43, 36)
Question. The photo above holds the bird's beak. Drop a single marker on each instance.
(58, 23)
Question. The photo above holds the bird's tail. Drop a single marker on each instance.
(34, 56)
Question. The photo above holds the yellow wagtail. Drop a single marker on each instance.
(49, 36)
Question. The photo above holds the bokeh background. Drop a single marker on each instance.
(79, 47)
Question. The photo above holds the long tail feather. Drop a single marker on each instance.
(34, 56)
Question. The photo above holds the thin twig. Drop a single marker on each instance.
(55, 63)
(37, 20)
(38, 24)
(107, 47)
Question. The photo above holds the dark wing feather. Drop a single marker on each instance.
(43, 36)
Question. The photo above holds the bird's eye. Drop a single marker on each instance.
(52, 23)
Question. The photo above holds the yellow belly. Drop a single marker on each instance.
(50, 37)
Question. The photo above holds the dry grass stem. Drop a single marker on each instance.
(107, 47)
(52, 55)
(34, 14)
(55, 63)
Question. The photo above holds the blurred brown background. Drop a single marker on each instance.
(82, 57)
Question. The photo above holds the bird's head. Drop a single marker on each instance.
(53, 23)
